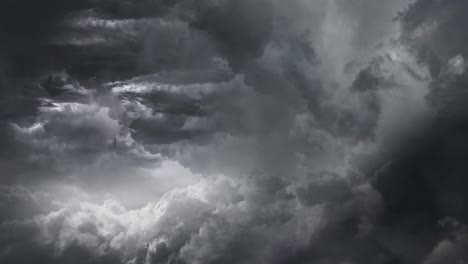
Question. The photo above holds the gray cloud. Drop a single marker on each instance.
(234, 132)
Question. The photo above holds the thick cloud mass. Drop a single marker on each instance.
(233, 131)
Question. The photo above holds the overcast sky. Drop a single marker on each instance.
(233, 131)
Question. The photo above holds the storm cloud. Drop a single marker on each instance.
(222, 131)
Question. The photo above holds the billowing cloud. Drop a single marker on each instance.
(264, 131)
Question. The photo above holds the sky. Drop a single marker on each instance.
(233, 131)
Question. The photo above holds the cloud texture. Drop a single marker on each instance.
(222, 131)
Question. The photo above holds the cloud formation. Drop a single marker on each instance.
(144, 132)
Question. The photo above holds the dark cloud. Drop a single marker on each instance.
(134, 9)
(26, 29)
(242, 28)
(435, 30)
(224, 131)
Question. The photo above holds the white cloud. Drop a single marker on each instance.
(457, 65)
